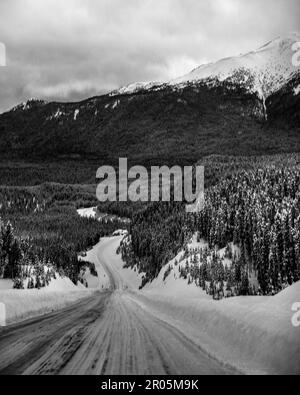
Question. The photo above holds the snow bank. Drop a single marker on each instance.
(24, 304)
(289, 295)
(254, 334)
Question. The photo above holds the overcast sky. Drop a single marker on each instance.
(73, 49)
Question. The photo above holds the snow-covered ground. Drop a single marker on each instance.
(173, 283)
(270, 67)
(253, 334)
(24, 304)
(93, 212)
(102, 281)
(106, 251)
(167, 328)
(27, 303)
(90, 212)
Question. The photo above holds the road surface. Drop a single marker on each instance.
(107, 334)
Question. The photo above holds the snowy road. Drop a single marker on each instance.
(110, 333)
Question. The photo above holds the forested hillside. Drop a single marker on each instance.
(251, 202)
(41, 232)
(172, 125)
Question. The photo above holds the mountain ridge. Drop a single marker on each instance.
(256, 65)
(207, 73)
(169, 124)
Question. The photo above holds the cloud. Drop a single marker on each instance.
(72, 49)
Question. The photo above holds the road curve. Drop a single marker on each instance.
(107, 334)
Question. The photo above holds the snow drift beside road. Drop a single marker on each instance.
(28, 303)
(24, 304)
(253, 334)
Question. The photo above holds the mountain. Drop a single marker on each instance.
(263, 71)
(241, 105)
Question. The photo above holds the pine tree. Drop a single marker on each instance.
(38, 284)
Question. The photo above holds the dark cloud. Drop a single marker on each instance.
(72, 49)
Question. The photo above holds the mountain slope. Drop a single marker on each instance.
(244, 105)
(263, 71)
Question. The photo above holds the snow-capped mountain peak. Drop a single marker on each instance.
(263, 71)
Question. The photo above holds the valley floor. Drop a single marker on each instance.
(160, 330)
